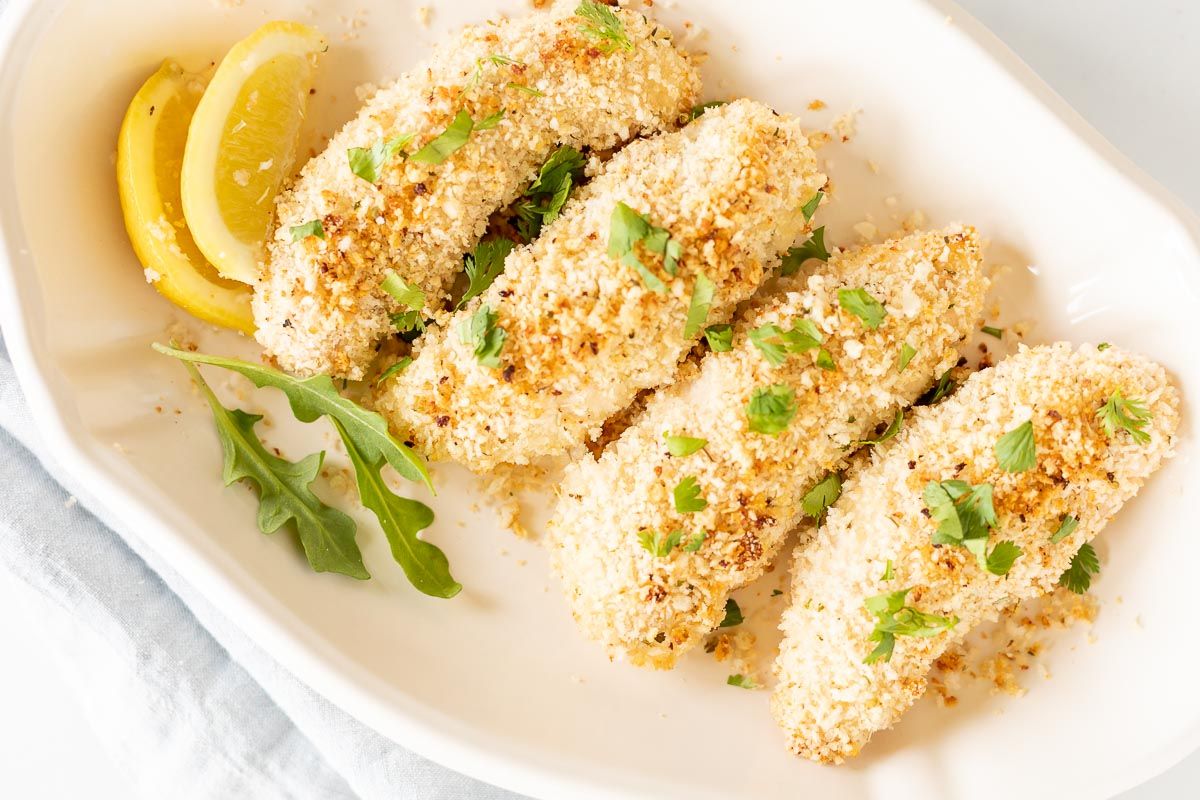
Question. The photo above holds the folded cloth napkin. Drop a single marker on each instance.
(188, 706)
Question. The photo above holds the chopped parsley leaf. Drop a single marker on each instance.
(403, 292)
(818, 499)
(603, 23)
(861, 304)
(810, 208)
(1002, 557)
(771, 409)
(520, 87)
(888, 572)
(719, 338)
(490, 121)
(1015, 450)
(546, 196)
(891, 430)
(813, 248)
(310, 228)
(944, 386)
(454, 137)
(394, 369)
(698, 111)
(1130, 414)
(687, 496)
(775, 344)
(893, 618)
(366, 162)
(703, 291)
(1102, 347)
(485, 337)
(907, 351)
(483, 266)
(1065, 528)
(408, 321)
(965, 516)
(1084, 566)
(741, 681)
(990, 331)
(626, 229)
(658, 545)
(694, 543)
(733, 614)
(680, 446)
(825, 360)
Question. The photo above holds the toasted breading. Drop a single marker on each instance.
(828, 701)
(319, 306)
(584, 331)
(651, 609)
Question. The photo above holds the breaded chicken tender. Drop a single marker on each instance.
(584, 329)
(829, 699)
(319, 306)
(647, 573)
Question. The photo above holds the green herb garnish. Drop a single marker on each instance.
(703, 291)
(687, 496)
(776, 344)
(810, 208)
(1015, 450)
(1130, 414)
(990, 331)
(310, 228)
(1100, 348)
(485, 337)
(394, 370)
(907, 351)
(405, 293)
(483, 266)
(741, 681)
(626, 229)
(814, 247)
(408, 321)
(888, 572)
(719, 338)
(818, 499)
(771, 409)
(733, 614)
(893, 618)
(1085, 565)
(1065, 528)
(965, 516)
(698, 111)
(656, 544)
(890, 431)
(944, 386)
(603, 23)
(680, 446)
(861, 304)
(546, 196)
(367, 162)
(454, 137)
(825, 360)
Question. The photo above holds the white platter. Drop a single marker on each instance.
(497, 683)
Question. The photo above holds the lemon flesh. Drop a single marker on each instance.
(242, 144)
(149, 159)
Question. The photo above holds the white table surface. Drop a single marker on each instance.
(1131, 67)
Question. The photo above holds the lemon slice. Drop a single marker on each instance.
(149, 156)
(242, 143)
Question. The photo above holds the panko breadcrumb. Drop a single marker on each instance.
(319, 307)
(828, 701)
(650, 608)
(584, 331)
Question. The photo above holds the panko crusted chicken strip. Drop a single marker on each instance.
(829, 699)
(319, 307)
(585, 330)
(649, 575)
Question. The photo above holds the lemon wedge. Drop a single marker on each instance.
(242, 143)
(149, 157)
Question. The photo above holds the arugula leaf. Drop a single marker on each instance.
(547, 195)
(1002, 557)
(733, 614)
(654, 543)
(942, 388)
(893, 618)
(626, 229)
(405, 293)
(1015, 450)
(990, 331)
(424, 564)
(367, 162)
(603, 23)
(483, 266)
(1065, 529)
(687, 496)
(445, 144)
(311, 228)
(1084, 566)
(810, 208)
(1130, 414)
(719, 338)
(316, 396)
(698, 111)
(703, 291)
(771, 409)
(907, 351)
(484, 335)
(775, 344)
(326, 534)
(892, 429)
(825, 360)
(680, 446)
(814, 247)
(394, 370)
(741, 681)
(861, 304)
(819, 498)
